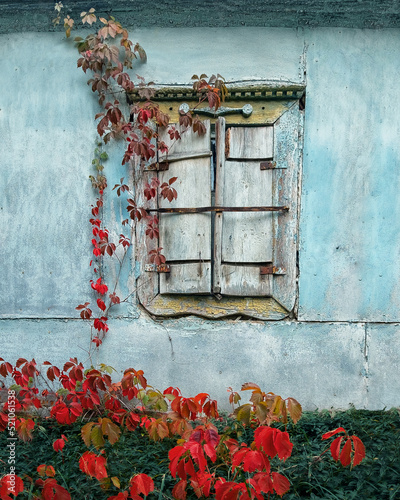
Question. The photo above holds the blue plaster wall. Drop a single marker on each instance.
(344, 346)
(349, 227)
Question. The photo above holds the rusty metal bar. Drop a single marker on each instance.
(162, 268)
(271, 269)
(267, 165)
(217, 209)
(158, 166)
(246, 110)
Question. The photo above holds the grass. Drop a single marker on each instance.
(312, 476)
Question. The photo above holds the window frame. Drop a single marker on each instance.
(269, 104)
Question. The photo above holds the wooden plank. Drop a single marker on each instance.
(287, 153)
(187, 236)
(247, 237)
(147, 283)
(194, 277)
(189, 143)
(219, 199)
(245, 281)
(249, 143)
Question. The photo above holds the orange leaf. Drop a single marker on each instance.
(24, 428)
(295, 409)
(111, 430)
(250, 386)
(46, 470)
(158, 430)
(201, 397)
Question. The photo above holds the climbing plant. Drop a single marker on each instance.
(106, 54)
(108, 409)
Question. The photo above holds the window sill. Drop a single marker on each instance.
(263, 308)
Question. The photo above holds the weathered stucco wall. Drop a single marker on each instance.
(344, 348)
(350, 239)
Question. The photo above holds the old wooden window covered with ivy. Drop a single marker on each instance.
(230, 237)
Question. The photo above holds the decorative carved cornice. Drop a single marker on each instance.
(243, 91)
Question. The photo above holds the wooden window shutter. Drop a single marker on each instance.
(241, 259)
(186, 237)
(255, 252)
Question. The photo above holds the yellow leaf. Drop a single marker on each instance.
(115, 482)
(96, 437)
(277, 406)
(243, 413)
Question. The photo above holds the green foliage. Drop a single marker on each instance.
(311, 475)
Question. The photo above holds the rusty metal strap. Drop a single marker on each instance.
(217, 209)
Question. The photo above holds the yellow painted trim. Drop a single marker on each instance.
(263, 308)
(264, 112)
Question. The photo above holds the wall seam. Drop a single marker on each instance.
(171, 318)
(366, 366)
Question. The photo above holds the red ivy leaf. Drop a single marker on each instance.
(335, 447)
(329, 434)
(280, 483)
(141, 483)
(359, 450)
(114, 298)
(97, 341)
(59, 444)
(101, 304)
(345, 456)
(10, 484)
(179, 490)
(93, 465)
